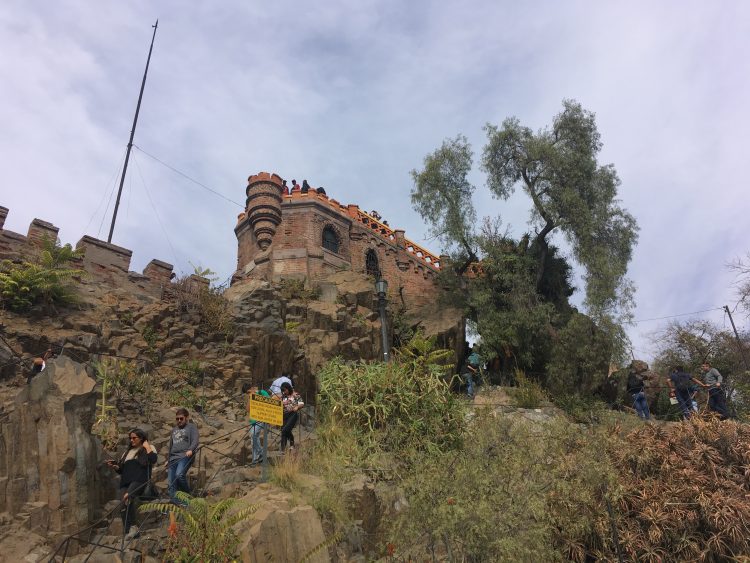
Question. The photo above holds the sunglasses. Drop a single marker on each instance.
(180, 418)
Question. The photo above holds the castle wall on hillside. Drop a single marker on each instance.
(287, 233)
(105, 263)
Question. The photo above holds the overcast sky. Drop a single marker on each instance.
(352, 95)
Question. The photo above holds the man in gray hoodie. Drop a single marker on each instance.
(183, 444)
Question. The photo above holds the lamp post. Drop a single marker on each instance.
(381, 288)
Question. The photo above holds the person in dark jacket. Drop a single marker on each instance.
(680, 383)
(134, 468)
(637, 390)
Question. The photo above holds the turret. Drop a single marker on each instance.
(263, 206)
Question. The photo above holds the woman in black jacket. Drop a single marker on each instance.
(134, 468)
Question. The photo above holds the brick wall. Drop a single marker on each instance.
(297, 250)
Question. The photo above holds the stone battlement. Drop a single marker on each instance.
(105, 263)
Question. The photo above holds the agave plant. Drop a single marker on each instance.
(203, 531)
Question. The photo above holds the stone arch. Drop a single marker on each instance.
(372, 264)
(331, 239)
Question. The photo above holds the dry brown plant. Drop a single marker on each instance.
(684, 492)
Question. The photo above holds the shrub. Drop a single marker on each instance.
(510, 494)
(204, 531)
(296, 289)
(683, 491)
(528, 393)
(209, 303)
(581, 409)
(397, 408)
(46, 279)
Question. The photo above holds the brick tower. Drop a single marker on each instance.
(256, 227)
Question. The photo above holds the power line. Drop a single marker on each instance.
(145, 189)
(104, 196)
(176, 171)
(679, 315)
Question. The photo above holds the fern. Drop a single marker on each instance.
(204, 532)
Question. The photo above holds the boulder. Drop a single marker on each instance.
(280, 530)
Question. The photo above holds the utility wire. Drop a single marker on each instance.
(176, 171)
(104, 196)
(679, 315)
(145, 189)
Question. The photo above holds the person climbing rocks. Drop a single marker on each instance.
(680, 382)
(292, 404)
(134, 468)
(39, 365)
(256, 428)
(637, 389)
(183, 444)
(712, 380)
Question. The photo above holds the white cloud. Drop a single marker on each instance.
(352, 96)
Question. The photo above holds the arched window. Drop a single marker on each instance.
(372, 268)
(330, 239)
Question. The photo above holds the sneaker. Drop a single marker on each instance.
(134, 532)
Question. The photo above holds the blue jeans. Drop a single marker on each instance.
(641, 405)
(177, 476)
(685, 402)
(468, 376)
(255, 432)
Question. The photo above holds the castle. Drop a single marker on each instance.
(302, 233)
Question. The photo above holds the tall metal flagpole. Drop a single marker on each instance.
(132, 134)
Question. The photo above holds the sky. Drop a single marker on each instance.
(352, 95)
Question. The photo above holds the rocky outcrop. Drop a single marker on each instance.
(48, 457)
(281, 530)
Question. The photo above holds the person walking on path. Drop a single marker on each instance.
(637, 390)
(183, 443)
(712, 380)
(292, 404)
(134, 468)
(255, 430)
(472, 370)
(680, 382)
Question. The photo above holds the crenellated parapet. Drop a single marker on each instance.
(106, 264)
(301, 232)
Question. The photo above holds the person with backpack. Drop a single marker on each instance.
(637, 389)
(134, 468)
(680, 383)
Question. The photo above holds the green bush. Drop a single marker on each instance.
(581, 408)
(528, 394)
(394, 408)
(515, 491)
(47, 279)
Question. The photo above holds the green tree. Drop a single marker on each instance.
(519, 296)
(557, 168)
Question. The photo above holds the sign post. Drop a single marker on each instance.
(267, 410)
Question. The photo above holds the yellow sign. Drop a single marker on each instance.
(266, 409)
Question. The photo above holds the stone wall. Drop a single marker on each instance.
(105, 263)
